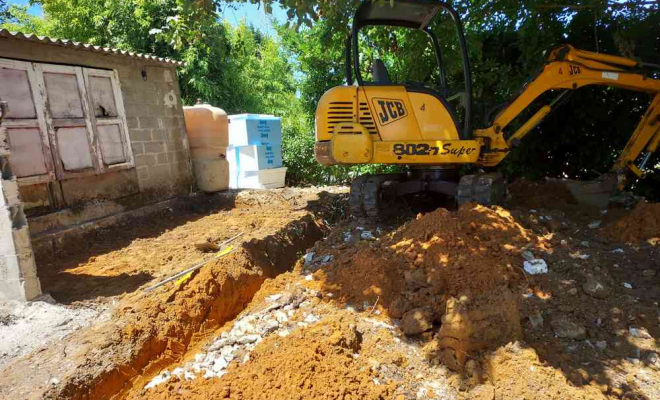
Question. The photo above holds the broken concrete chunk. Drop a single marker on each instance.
(417, 321)
(163, 377)
(248, 339)
(535, 267)
(327, 258)
(627, 285)
(567, 329)
(219, 364)
(595, 288)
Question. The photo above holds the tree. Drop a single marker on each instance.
(4, 11)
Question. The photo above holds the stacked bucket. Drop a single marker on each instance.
(255, 152)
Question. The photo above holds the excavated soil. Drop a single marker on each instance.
(642, 224)
(549, 194)
(439, 307)
(150, 329)
(113, 261)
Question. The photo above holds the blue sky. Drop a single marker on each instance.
(252, 13)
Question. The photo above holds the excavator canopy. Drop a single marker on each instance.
(410, 14)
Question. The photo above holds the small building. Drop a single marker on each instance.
(93, 132)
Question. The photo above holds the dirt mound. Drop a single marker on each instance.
(440, 253)
(468, 258)
(641, 224)
(548, 194)
(312, 363)
(517, 373)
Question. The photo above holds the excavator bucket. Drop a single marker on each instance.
(594, 193)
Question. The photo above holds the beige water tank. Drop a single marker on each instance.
(208, 136)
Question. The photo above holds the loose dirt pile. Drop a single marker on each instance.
(547, 194)
(642, 224)
(440, 253)
(516, 372)
(313, 363)
(456, 269)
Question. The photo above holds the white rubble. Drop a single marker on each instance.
(536, 266)
(248, 331)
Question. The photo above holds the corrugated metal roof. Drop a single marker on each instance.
(83, 46)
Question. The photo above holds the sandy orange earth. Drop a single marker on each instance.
(433, 306)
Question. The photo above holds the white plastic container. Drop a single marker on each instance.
(262, 179)
(208, 136)
(252, 158)
(254, 129)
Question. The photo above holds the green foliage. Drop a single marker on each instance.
(17, 18)
(4, 11)
(242, 70)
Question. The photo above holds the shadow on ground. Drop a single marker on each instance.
(68, 288)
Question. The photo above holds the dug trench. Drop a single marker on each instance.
(151, 330)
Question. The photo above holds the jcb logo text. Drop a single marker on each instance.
(389, 110)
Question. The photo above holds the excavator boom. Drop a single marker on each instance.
(569, 68)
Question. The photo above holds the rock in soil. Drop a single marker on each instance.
(595, 288)
(417, 321)
(482, 392)
(567, 329)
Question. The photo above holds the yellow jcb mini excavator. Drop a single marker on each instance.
(382, 122)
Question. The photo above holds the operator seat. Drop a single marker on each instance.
(379, 72)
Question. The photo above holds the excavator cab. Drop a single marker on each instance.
(418, 16)
(374, 119)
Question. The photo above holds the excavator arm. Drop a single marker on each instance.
(569, 68)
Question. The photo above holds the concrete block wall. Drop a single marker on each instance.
(154, 111)
(157, 129)
(18, 271)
